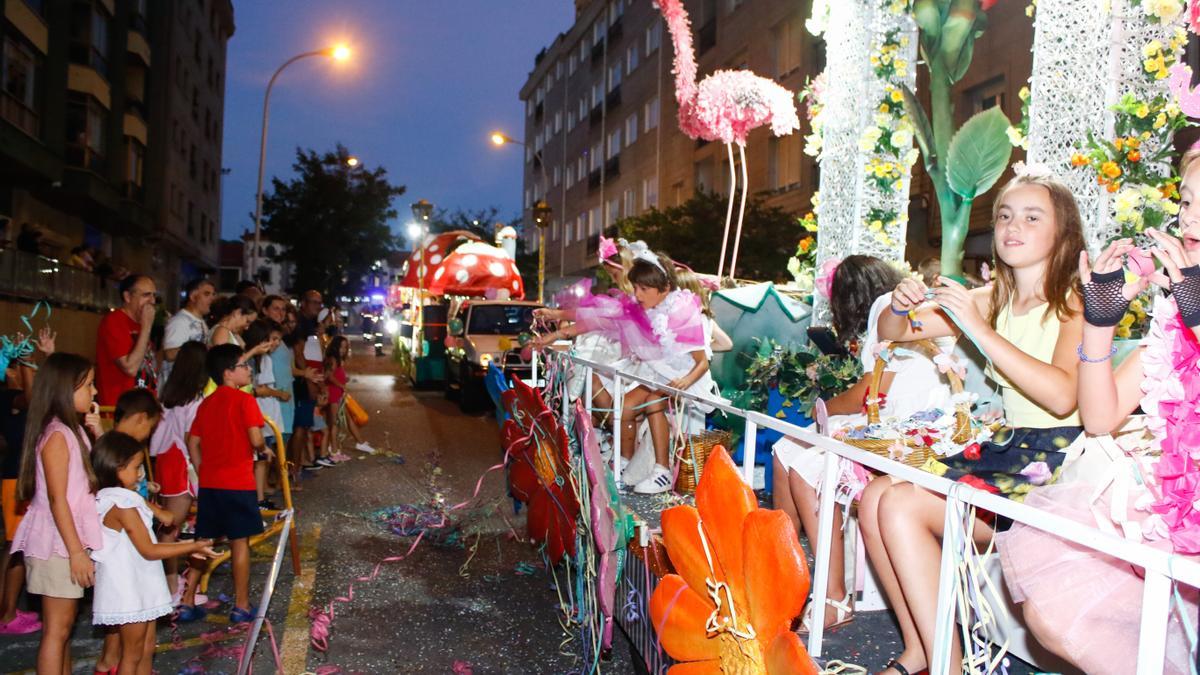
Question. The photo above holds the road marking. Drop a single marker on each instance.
(296, 627)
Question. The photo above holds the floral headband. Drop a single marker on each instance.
(1023, 170)
(823, 281)
(641, 251)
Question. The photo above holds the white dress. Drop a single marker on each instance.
(129, 588)
(269, 405)
(917, 386)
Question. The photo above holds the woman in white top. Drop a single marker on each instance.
(233, 315)
(910, 383)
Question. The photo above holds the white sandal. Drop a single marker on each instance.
(844, 614)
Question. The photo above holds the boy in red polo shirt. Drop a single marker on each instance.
(224, 437)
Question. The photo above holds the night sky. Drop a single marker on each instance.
(428, 80)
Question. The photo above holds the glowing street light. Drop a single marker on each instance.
(337, 53)
(499, 138)
(352, 162)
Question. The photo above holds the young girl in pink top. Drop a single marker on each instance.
(336, 379)
(61, 525)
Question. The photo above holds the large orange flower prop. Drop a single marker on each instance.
(538, 471)
(742, 579)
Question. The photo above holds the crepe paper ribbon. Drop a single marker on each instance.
(18, 351)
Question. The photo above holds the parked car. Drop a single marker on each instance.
(484, 332)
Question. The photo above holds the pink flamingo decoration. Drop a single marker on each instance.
(724, 106)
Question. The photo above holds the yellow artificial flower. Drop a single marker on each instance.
(1023, 94)
(1142, 111)
(1160, 121)
(897, 96)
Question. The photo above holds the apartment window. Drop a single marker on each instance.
(554, 228)
(630, 202)
(650, 192)
(598, 30)
(596, 157)
(593, 221)
(614, 75)
(584, 47)
(528, 198)
(614, 143)
(572, 62)
(650, 114)
(529, 107)
(85, 132)
(558, 70)
(597, 94)
(653, 37)
(631, 129)
(787, 45)
(135, 160)
(581, 167)
(785, 156)
(631, 58)
(990, 94)
(570, 175)
(19, 85)
(571, 117)
(557, 121)
(557, 174)
(612, 212)
(615, 11)
(89, 36)
(583, 108)
(570, 225)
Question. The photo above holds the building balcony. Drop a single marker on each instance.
(615, 31)
(19, 115)
(613, 99)
(596, 115)
(595, 178)
(598, 53)
(33, 277)
(539, 111)
(612, 168)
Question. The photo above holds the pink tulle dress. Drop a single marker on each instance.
(656, 343)
(1089, 604)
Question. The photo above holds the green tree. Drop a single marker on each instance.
(331, 221)
(691, 234)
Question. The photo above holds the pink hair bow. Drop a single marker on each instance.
(823, 283)
(608, 248)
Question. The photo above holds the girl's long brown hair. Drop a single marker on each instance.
(1062, 269)
(54, 398)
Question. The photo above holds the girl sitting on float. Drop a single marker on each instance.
(859, 289)
(1029, 324)
(661, 331)
(1080, 604)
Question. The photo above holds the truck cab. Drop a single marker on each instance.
(484, 332)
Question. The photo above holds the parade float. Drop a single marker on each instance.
(1106, 94)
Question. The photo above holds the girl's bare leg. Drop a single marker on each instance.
(912, 520)
(58, 617)
(133, 646)
(913, 656)
(807, 502)
(781, 495)
(660, 431)
(629, 419)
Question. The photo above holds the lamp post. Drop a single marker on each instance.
(421, 210)
(337, 53)
(542, 213)
(499, 138)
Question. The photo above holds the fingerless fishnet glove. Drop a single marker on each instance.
(1187, 295)
(1103, 303)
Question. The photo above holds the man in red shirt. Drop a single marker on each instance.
(223, 441)
(124, 355)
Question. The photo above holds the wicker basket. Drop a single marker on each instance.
(920, 453)
(694, 454)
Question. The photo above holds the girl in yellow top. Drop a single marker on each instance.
(1029, 324)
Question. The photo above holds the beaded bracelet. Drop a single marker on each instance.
(1083, 357)
(898, 312)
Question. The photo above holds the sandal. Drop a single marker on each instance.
(843, 615)
(899, 668)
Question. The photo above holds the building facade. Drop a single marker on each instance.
(602, 140)
(272, 272)
(110, 131)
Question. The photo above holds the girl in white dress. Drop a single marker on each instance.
(131, 587)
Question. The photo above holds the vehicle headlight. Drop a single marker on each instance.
(391, 326)
(485, 359)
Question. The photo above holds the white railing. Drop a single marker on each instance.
(1161, 567)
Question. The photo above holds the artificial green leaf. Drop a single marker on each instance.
(929, 15)
(978, 153)
(923, 129)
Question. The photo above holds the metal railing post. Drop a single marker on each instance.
(943, 633)
(1156, 612)
(822, 551)
(618, 409)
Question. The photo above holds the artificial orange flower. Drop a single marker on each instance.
(1133, 143)
(742, 578)
(1134, 156)
(1102, 180)
(1110, 169)
(1168, 191)
(1119, 143)
(1113, 187)
(1079, 160)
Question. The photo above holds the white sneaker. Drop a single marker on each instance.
(657, 482)
(624, 465)
(365, 447)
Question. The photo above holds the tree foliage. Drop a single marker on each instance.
(691, 234)
(331, 221)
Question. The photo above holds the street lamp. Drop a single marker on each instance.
(421, 210)
(542, 213)
(351, 162)
(499, 138)
(337, 53)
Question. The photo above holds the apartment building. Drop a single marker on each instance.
(110, 132)
(601, 134)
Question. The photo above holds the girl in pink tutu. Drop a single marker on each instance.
(1028, 322)
(1081, 604)
(662, 336)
